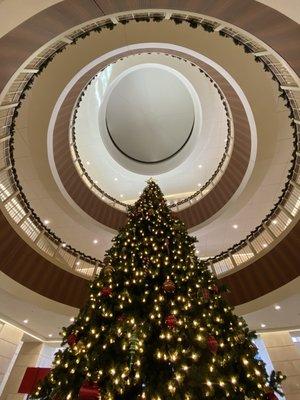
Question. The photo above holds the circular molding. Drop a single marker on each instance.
(252, 17)
(195, 144)
(150, 114)
(234, 177)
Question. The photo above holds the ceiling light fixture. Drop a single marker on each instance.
(88, 163)
(25, 321)
(121, 195)
(235, 226)
(46, 221)
(263, 325)
(115, 179)
(50, 335)
(199, 184)
(95, 241)
(64, 245)
(199, 166)
(277, 307)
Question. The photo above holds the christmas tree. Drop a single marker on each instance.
(155, 325)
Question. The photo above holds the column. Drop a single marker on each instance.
(285, 357)
(31, 354)
(10, 343)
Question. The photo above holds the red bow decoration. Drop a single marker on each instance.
(271, 396)
(106, 291)
(89, 391)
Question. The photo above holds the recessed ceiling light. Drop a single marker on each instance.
(88, 163)
(50, 335)
(199, 166)
(96, 182)
(277, 307)
(72, 319)
(263, 325)
(64, 245)
(235, 226)
(95, 241)
(25, 321)
(199, 185)
(121, 195)
(116, 179)
(46, 221)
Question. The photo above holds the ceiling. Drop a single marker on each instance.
(249, 207)
(206, 128)
(134, 99)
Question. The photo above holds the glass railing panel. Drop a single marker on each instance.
(46, 245)
(279, 223)
(30, 229)
(242, 255)
(68, 257)
(223, 265)
(292, 203)
(15, 210)
(262, 241)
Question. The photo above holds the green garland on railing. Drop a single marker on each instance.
(193, 23)
(186, 199)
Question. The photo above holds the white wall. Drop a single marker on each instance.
(285, 357)
(10, 342)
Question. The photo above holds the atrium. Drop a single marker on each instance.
(100, 98)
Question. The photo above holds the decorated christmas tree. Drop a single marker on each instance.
(155, 325)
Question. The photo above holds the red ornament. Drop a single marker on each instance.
(72, 340)
(271, 396)
(215, 289)
(89, 391)
(171, 321)
(169, 286)
(212, 344)
(205, 294)
(106, 291)
(121, 318)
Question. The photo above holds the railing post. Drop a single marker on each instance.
(39, 236)
(77, 259)
(23, 218)
(251, 247)
(295, 184)
(11, 197)
(232, 259)
(213, 268)
(269, 231)
(286, 212)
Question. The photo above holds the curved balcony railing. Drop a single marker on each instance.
(13, 201)
(177, 204)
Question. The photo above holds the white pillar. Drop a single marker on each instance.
(31, 354)
(285, 357)
(10, 344)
